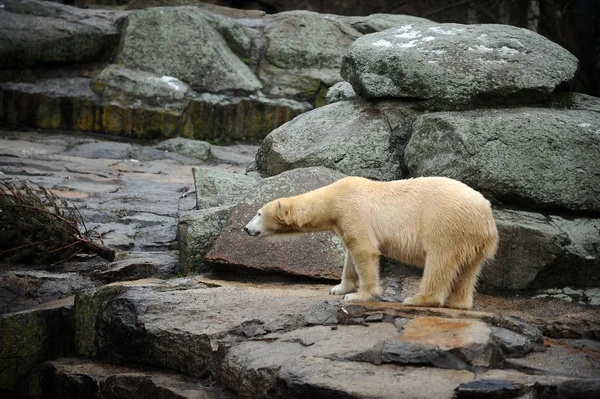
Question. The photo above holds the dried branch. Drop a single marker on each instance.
(38, 227)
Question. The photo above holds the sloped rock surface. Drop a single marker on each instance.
(151, 41)
(317, 255)
(531, 157)
(38, 33)
(336, 136)
(457, 64)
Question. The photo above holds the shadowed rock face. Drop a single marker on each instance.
(36, 32)
(317, 255)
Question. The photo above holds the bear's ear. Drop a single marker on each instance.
(283, 212)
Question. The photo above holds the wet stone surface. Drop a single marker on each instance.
(140, 326)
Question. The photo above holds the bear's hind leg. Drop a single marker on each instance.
(366, 261)
(438, 276)
(463, 289)
(349, 278)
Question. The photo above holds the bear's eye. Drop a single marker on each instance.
(259, 214)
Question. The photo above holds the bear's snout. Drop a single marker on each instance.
(252, 233)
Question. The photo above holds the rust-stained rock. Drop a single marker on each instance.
(318, 255)
(467, 340)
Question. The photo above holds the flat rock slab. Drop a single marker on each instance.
(185, 321)
(317, 255)
(457, 64)
(288, 340)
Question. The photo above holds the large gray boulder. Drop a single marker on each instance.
(537, 158)
(41, 33)
(180, 42)
(457, 64)
(349, 136)
(315, 255)
(297, 66)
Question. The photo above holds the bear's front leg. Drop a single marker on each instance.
(349, 278)
(366, 262)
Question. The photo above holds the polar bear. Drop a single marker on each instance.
(436, 223)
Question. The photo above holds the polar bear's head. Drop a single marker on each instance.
(276, 217)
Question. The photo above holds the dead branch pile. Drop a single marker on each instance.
(38, 227)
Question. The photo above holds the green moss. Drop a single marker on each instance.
(28, 339)
(89, 304)
(48, 113)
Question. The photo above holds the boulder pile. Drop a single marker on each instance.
(202, 71)
(481, 104)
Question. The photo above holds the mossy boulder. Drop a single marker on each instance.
(530, 157)
(32, 336)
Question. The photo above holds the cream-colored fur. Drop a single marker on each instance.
(436, 223)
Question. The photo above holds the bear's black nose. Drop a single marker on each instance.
(246, 230)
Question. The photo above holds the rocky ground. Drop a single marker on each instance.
(139, 327)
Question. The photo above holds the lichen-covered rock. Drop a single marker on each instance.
(36, 33)
(180, 42)
(218, 188)
(531, 157)
(29, 337)
(457, 64)
(316, 255)
(351, 137)
(197, 231)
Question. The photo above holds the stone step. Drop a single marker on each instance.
(292, 340)
(83, 378)
(70, 104)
